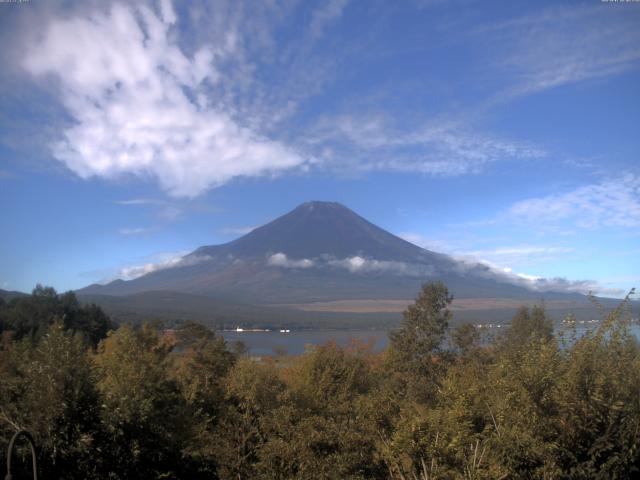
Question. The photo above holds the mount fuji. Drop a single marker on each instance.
(322, 252)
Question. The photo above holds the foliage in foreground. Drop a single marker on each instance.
(437, 404)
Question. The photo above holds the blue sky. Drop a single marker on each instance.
(505, 132)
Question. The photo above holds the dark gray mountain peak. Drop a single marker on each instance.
(314, 229)
(321, 207)
(310, 205)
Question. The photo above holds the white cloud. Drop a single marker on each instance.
(141, 106)
(521, 254)
(566, 44)
(160, 261)
(167, 11)
(134, 231)
(445, 148)
(281, 260)
(487, 269)
(569, 286)
(565, 285)
(611, 203)
(499, 263)
(456, 151)
(170, 213)
(322, 16)
(165, 211)
(140, 201)
(354, 264)
(466, 264)
(357, 264)
(559, 284)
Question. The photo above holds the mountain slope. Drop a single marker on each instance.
(317, 228)
(320, 251)
(8, 295)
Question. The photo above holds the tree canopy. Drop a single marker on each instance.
(30, 315)
(439, 403)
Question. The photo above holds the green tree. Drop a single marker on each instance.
(528, 325)
(48, 389)
(29, 316)
(596, 428)
(143, 410)
(424, 325)
(253, 396)
(320, 429)
(416, 348)
(199, 371)
(239, 348)
(465, 338)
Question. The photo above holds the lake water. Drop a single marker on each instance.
(296, 342)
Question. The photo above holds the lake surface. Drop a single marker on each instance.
(296, 342)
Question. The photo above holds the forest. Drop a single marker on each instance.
(109, 401)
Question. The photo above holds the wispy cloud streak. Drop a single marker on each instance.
(140, 201)
(564, 45)
(162, 261)
(611, 203)
(323, 15)
(134, 231)
(445, 148)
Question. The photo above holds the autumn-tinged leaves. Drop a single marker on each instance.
(439, 403)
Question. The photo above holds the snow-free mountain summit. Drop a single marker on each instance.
(320, 251)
